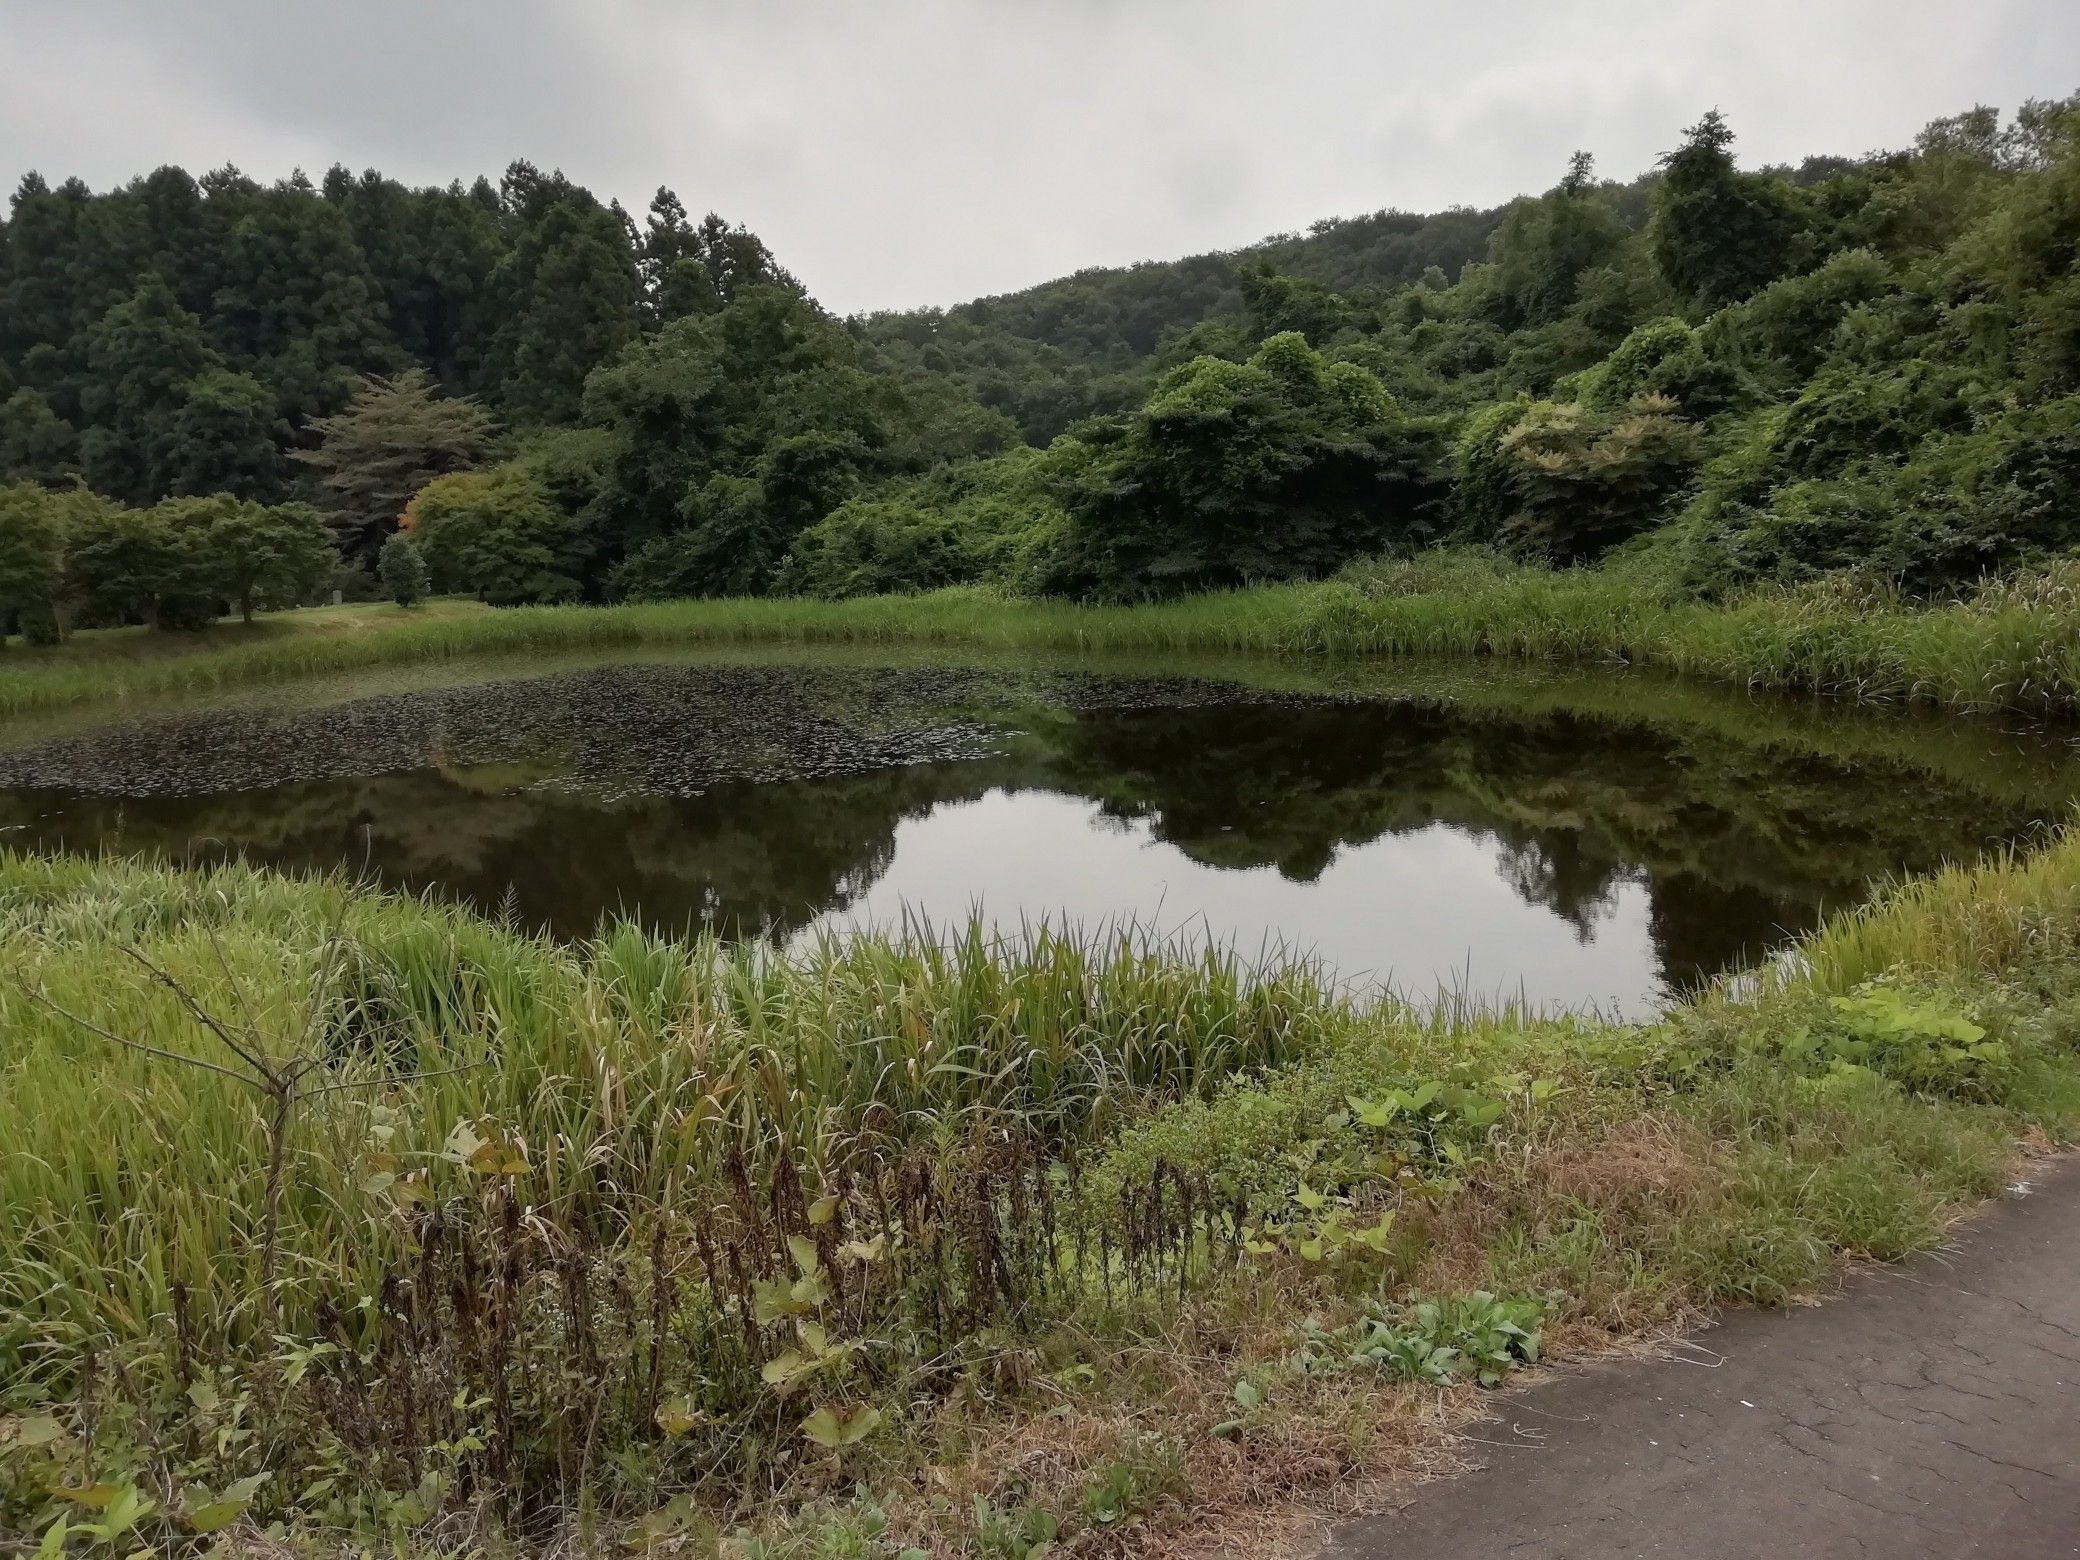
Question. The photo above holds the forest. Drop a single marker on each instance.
(218, 396)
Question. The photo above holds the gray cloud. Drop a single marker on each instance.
(911, 151)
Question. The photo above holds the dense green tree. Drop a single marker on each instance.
(1719, 234)
(32, 561)
(142, 355)
(496, 535)
(566, 294)
(1543, 247)
(221, 438)
(36, 444)
(393, 437)
(125, 565)
(298, 300)
(403, 570)
(253, 554)
(430, 254)
(1276, 304)
(1279, 467)
(722, 551)
(767, 391)
(676, 281)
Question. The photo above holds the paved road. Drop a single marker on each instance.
(1933, 1410)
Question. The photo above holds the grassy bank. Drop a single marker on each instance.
(949, 1246)
(2016, 647)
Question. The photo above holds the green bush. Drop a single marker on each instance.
(1957, 508)
(1792, 323)
(1666, 358)
(983, 523)
(1477, 1337)
(1281, 467)
(403, 570)
(1561, 482)
(497, 536)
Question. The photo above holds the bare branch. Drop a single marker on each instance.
(238, 991)
(38, 994)
(203, 1016)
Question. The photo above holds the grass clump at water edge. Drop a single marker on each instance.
(2013, 645)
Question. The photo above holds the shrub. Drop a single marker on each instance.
(1281, 467)
(1665, 358)
(876, 547)
(403, 570)
(1561, 482)
(496, 535)
(1958, 507)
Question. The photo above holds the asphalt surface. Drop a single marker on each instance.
(1931, 1410)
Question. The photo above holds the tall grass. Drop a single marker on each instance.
(632, 1070)
(725, 1186)
(2010, 648)
(635, 1068)
(2019, 912)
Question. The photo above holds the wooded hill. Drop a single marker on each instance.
(1864, 364)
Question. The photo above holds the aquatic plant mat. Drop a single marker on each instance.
(334, 1221)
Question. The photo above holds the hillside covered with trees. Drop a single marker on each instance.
(217, 395)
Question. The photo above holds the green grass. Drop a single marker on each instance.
(1109, 1178)
(2014, 648)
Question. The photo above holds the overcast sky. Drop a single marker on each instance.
(902, 152)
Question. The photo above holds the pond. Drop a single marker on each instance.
(1569, 839)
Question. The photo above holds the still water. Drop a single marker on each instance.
(1569, 839)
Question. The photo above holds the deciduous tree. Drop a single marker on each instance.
(396, 435)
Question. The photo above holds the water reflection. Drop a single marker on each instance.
(1573, 857)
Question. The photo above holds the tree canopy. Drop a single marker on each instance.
(1734, 374)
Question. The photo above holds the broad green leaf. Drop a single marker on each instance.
(214, 1516)
(677, 1416)
(833, 1427)
(98, 1496)
(811, 1291)
(773, 1300)
(37, 1430)
(1480, 1112)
